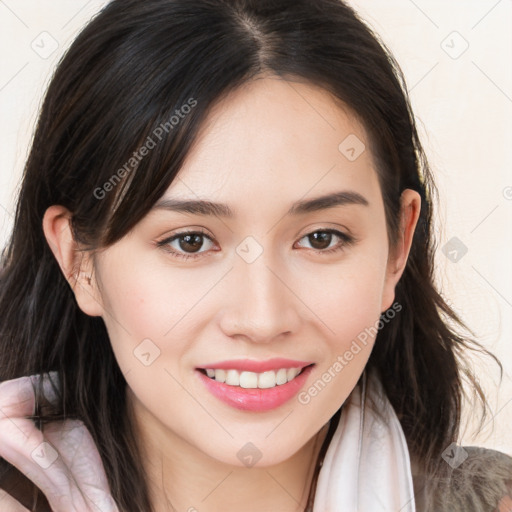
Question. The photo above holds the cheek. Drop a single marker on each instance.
(135, 307)
(346, 297)
(148, 322)
(137, 299)
(349, 309)
(146, 310)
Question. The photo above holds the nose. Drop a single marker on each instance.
(260, 303)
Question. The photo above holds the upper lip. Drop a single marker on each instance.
(249, 365)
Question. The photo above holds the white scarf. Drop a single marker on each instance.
(366, 467)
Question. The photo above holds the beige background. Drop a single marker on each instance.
(456, 56)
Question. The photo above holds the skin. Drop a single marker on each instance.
(265, 146)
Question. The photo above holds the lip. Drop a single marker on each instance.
(257, 400)
(249, 365)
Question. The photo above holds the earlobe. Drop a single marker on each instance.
(75, 264)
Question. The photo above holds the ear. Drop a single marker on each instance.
(410, 202)
(76, 264)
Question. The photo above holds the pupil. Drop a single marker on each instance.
(323, 238)
(192, 241)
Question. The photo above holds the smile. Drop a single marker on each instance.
(251, 391)
(253, 380)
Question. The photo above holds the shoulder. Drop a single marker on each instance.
(477, 479)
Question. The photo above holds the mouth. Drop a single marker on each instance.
(255, 392)
(254, 380)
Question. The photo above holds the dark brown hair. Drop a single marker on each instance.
(126, 74)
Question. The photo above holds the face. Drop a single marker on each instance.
(270, 274)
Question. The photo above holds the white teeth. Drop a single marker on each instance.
(220, 375)
(252, 380)
(267, 379)
(232, 378)
(247, 379)
(282, 376)
(291, 373)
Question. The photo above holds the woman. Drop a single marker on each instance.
(218, 294)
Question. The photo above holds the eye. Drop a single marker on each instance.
(320, 241)
(186, 244)
(191, 244)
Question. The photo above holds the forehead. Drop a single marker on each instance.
(273, 138)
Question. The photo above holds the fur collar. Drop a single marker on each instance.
(478, 484)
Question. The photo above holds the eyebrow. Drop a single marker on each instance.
(202, 207)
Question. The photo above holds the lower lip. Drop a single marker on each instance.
(255, 399)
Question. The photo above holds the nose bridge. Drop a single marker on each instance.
(260, 305)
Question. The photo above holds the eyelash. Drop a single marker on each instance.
(347, 240)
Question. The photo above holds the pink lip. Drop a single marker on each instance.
(256, 399)
(247, 365)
